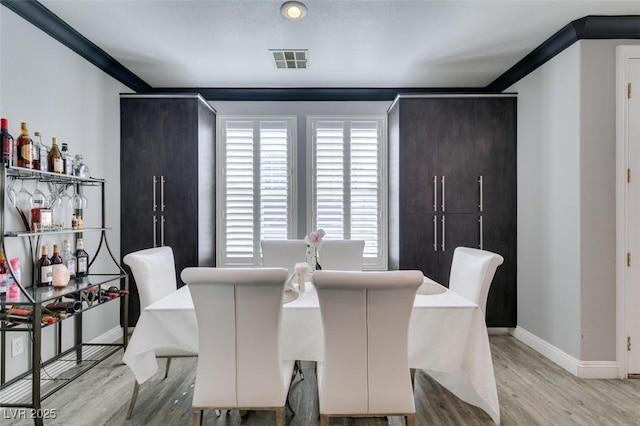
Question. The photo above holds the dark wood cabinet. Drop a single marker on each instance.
(167, 175)
(452, 165)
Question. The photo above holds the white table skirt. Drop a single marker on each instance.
(447, 338)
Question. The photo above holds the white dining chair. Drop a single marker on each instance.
(365, 368)
(472, 272)
(283, 253)
(239, 315)
(341, 255)
(155, 276)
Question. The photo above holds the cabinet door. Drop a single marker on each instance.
(457, 162)
(179, 180)
(458, 229)
(417, 243)
(499, 237)
(420, 134)
(496, 153)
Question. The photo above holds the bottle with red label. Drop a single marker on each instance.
(7, 142)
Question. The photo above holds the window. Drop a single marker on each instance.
(255, 186)
(259, 183)
(348, 189)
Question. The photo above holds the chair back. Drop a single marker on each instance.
(472, 271)
(283, 253)
(239, 314)
(154, 271)
(365, 316)
(342, 255)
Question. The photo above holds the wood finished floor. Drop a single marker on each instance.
(532, 391)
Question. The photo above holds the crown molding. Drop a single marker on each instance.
(588, 28)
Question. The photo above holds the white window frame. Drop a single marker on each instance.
(221, 256)
(381, 262)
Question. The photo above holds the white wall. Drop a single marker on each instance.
(548, 202)
(60, 94)
(566, 201)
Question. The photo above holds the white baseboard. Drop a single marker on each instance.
(110, 336)
(581, 369)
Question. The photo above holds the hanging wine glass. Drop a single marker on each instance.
(24, 199)
(39, 199)
(11, 193)
(78, 201)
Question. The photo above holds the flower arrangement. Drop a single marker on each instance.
(314, 243)
(314, 239)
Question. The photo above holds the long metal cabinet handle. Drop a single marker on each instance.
(442, 181)
(162, 231)
(481, 242)
(435, 193)
(162, 193)
(443, 230)
(155, 205)
(435, 233)
(155, 222)
(481, 195)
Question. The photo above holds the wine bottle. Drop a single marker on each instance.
(55, 258)
(67, 160)
(44, 269)
(25, 147)
(68, 258)
(55, 158)
(69, 307)
(82, 259)
(7, 142)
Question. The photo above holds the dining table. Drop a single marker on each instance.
(448, 338)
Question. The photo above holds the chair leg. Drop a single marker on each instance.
(413, 377)
(197, 417)
(410, 420)
(324, 420)
(134, 395)
(166, 369)
(280, 416)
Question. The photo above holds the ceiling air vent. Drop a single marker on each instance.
(290, 59)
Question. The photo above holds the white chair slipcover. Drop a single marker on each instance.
(155, 275)
(365, 316)
(283, 253)
(341, 255)
(472, 271)
(239, 319)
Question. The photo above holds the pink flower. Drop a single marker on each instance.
(314, 239)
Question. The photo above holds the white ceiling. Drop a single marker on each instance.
(373, 43)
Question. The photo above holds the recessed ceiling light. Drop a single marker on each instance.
(293, 10)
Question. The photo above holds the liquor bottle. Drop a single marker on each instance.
(7, 142)
(4, 275)
(68, 258)
(55, 158)
(82, 259)
(55, 258)
(67, 160)
(25, 147)
(44, 269)
(40, 153)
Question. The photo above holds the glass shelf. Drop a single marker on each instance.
(45, 294)
(60, 231)
(22, 173)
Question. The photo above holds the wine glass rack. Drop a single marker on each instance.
(44, 377)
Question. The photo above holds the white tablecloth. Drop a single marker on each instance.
(447, 338)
